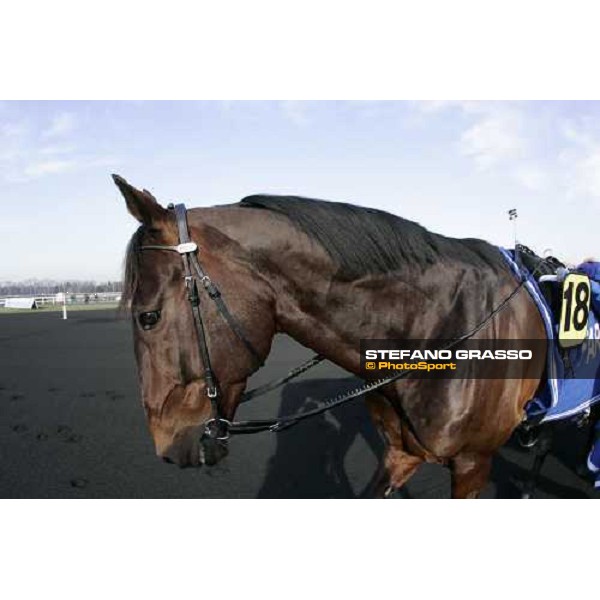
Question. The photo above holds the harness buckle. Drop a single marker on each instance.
(211, 392)
(192, 290)
(210, 287)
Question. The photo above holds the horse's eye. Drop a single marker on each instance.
(149, 319)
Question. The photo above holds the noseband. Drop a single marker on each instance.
(217, 427)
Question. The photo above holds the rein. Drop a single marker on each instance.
(219, 428)
(275, 425)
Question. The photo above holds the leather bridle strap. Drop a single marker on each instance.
(194, 300)
(192, 273)
(214, 293)
(187, 248)
(212, 290)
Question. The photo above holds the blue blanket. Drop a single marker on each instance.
(572, 385)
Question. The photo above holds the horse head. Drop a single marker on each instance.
(181, 393)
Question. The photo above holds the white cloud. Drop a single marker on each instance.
(13, 129)
(532, 177)
(296, 111)
(35, 170)
(580, 159)
(432, 106)
(494, 138)
(578, 135)
(498, 136)
(466, 106)
(61, 125)
(27, 154)
(584, 176)
(57, 149)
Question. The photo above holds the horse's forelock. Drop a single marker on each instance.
(131, 270)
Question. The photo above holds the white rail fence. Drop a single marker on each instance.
(50, 300)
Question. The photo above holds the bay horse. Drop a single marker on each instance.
(327, 274)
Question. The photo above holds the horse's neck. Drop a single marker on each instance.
(330, 315)
(309, 306)
(327, 314)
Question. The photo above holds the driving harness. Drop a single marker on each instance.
(220, 428)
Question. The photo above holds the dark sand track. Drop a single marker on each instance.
(71, 425)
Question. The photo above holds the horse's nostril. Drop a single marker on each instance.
(168, 460)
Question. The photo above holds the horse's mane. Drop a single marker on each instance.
(360, 240)
(365, 241)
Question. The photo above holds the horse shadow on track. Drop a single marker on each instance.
(311, 459)
(335, 455)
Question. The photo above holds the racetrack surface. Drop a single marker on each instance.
(72, 425)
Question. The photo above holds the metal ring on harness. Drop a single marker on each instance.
(218, 428)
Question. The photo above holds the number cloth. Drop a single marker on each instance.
(572, 379)
(592, 270)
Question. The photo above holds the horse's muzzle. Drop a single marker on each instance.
(194, 449)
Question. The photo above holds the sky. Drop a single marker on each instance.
(455, 167)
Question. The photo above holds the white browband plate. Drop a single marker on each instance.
(186, 248)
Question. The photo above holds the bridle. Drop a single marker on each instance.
(217, 427)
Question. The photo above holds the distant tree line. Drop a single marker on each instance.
(37, 287)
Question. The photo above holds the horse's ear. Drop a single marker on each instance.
(141, 204)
